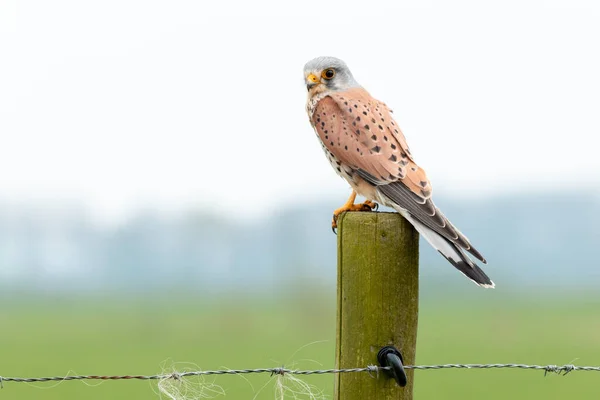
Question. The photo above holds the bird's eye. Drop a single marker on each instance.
(328, 73)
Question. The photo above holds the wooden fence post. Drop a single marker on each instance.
(378, 300)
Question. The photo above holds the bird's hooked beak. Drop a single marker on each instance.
(312, 81)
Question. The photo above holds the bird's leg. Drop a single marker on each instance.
(368, 205)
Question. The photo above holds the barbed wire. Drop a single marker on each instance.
(371, 369)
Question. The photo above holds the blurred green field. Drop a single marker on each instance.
(42, 337)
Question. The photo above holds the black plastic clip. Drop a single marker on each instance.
(389, 356)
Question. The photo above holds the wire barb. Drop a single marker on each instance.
(372, 370)
(278, 371)
(176, 376)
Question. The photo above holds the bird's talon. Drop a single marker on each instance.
(368, 205)
(334, 224)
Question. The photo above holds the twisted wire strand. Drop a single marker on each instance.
(371, 369)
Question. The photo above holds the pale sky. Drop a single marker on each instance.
(128, 104)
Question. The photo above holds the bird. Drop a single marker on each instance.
(366, 147)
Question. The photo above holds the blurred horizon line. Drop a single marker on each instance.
(531, 241)
(229, 213)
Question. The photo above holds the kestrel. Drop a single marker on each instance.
(366, 147)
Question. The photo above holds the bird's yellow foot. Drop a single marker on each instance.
(350, 206)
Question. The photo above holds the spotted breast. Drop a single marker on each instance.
(317, 119)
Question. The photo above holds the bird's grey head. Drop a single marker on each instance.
(328, 74)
